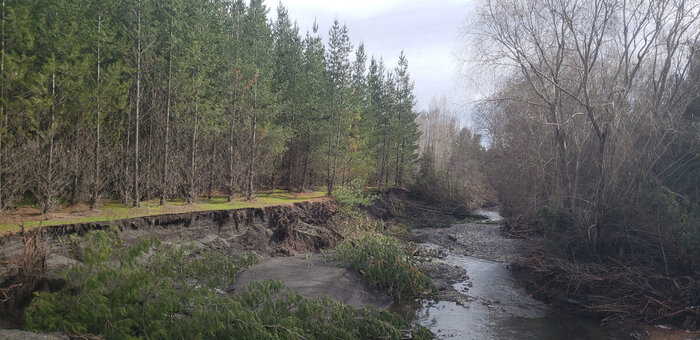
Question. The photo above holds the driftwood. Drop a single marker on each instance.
(615, 290)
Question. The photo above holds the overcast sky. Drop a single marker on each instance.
(428, 32)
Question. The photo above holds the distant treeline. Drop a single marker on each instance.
(140, 99)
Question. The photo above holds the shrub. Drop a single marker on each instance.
(162, 292)
(352, 196)
(384, 264)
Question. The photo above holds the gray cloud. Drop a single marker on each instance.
(428, 32)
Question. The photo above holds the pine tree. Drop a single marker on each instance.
(136, 99)
(407, 132)
(358, 162)
(339, 48)
(286, 84)
(258, 43)
(313, 99)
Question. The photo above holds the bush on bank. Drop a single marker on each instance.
(154, 291)
(385, 264)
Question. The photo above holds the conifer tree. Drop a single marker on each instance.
(135, 99)
(338, 54)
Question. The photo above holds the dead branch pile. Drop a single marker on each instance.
(616, 291)
(517, 228)
(25, 274)
(417, 210)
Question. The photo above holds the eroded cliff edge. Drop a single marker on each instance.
(33, 260)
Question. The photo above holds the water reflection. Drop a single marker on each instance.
(491, 214)
(496, 307)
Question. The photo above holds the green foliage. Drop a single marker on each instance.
(237, 96)
(142, 290)
(385, 264)
(153, 291)
(555, 226)
(455, 176)
(282, 314)
(352, 196)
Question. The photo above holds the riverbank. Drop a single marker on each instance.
(31, 216)
(478, 295)
(285, 238)
(33, 260)
(497, 301)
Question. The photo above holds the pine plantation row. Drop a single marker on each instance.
(143, 99)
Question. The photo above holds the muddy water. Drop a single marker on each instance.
(494, 305)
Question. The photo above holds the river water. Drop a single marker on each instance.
(495, 306)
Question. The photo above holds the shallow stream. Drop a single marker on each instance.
(495, 306)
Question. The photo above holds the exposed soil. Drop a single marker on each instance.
(316, 275)
(403, 206)
(275, 231)
(114, 210)
(14, 334)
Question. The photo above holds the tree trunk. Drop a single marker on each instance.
(382, 161)
(305, 170)
(600, 195)
(211, 172)
(337, 149)
(149, 161)
(401, 163)
(396, 171)
(166, 142)
(48, 194)
(231, 141)
(292, 152)
(96, 161)
(329, 179)
(193, 148)
(138, 106)
(76, 171)
(251, 164)
(3, 114)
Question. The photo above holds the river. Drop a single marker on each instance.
(494, 305)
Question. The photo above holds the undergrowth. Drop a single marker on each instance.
(352, 196)
(153, 291)
(385, 264)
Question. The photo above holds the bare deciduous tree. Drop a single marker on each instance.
(599, 87)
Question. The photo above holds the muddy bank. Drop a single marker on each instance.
(270, 232)
(316, 275)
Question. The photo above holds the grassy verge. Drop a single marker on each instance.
(378, 250)
(112, 210)
(387, 264)
(150, 291)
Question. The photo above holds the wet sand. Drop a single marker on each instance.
(315, 275)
